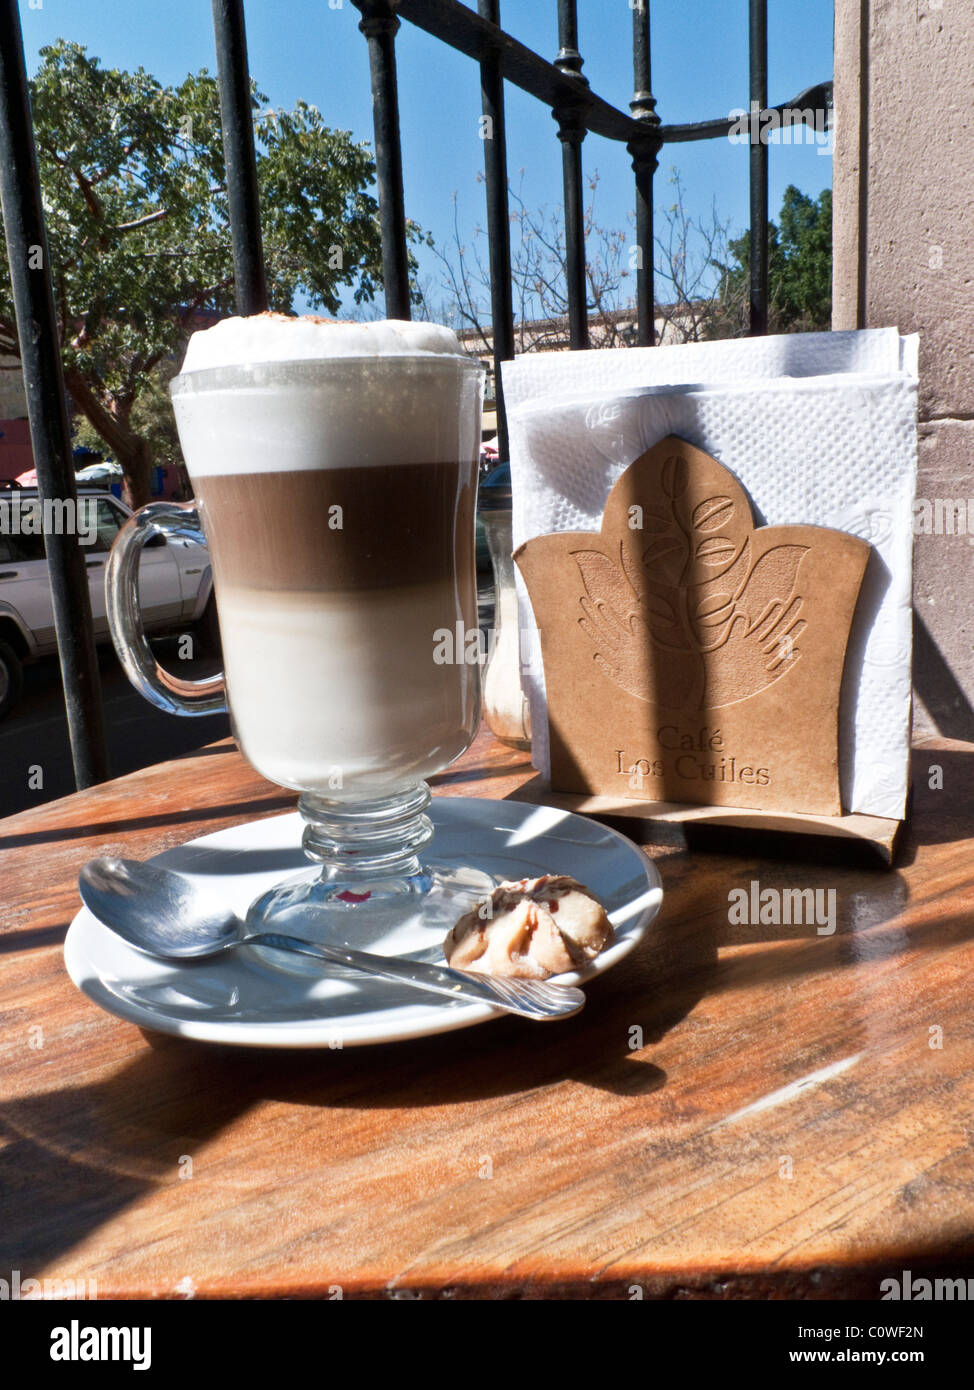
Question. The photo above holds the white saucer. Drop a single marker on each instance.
(241, 998)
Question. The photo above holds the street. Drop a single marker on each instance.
(35, 756)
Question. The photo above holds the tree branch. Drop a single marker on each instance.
(202, 296)
(142, 221)
(118, 439)
(88, 193)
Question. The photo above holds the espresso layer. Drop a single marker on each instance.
(340, 528)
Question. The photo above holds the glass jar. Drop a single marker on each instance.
(505, 704)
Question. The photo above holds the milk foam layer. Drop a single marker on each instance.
(281, 338)
(341, 694)
(276, 410)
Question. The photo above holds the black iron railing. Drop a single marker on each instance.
(559, 85)
(50, 430)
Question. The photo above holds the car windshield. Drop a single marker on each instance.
(21, 526)
(109, 521)
(20, 530)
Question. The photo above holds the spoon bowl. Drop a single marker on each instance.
(157, 911)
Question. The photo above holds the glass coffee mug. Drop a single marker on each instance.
(337, 500)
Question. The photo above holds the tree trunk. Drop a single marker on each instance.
(137, 473)
(131, 450)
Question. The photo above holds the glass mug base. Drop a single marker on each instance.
(407, 917)
(370, 890)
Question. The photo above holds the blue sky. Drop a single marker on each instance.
(312, 49)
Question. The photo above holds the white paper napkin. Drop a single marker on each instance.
(820, 428)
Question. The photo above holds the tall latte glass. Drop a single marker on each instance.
(336, 489)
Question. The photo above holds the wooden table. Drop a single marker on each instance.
(740, 1110)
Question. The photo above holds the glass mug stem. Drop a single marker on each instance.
(354, 841)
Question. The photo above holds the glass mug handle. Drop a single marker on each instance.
(159, 686)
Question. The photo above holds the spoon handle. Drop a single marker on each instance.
(535, 999)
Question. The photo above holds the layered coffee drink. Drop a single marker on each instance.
(334, 467)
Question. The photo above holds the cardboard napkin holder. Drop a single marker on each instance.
(693, 661)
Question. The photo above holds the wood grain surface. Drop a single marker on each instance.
(741, 1110)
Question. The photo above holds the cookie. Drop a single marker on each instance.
(530, 929)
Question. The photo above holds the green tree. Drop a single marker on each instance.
(135, 199)
(799, 270)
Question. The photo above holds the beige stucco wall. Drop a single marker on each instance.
(904, 255)
(13, 397)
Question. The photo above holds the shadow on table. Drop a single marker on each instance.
(210, 750)
(77, 1157)
(51, 1201)
(287, 801)
(82, 1155)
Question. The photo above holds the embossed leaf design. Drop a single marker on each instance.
(715, 551)
(665, 556)
(675, 476)
(712, 514)
(732, 579)
(603, 581)
(714, 609)
(630, 568)
(661, 610)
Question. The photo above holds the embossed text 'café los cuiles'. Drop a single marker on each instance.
(695, 757)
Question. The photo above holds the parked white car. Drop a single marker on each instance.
(175, 581)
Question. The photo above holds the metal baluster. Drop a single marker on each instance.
(379, 24)
(498, 220)
(571, 133)
(236, 116)
(759, 169)
(644, 150)
(50, 432)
